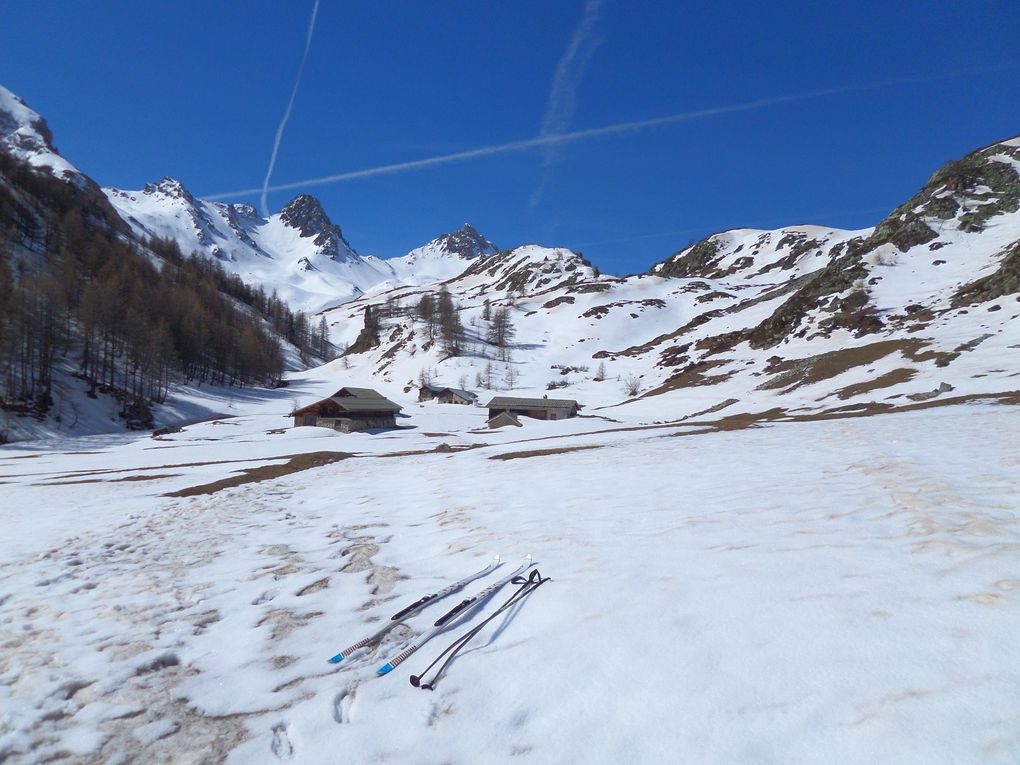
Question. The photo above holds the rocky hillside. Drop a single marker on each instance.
(800, 321)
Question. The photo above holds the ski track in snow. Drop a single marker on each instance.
(839, 591)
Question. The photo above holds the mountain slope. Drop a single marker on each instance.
(799, 321)
(25, 135)
(443, 258)
(298, 251)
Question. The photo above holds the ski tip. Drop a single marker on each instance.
(496, 559)
(387, 667)
(337, 659)
(529, 560)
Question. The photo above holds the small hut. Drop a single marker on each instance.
(502, 420)
(446, 395)
(537, 408)
(349, 409)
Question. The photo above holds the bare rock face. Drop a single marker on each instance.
(305, 214)
(466, 243)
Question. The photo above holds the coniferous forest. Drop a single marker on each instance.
(128, 318)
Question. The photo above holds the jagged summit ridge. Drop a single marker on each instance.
(444, 257)
(25, 134)
(299, 251)
(465, 243)
(305, 213)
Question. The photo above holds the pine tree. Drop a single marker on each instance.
(501, 331)
(426, 312)
(325, 347)
(451, 330)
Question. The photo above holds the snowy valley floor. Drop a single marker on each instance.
(845, 591)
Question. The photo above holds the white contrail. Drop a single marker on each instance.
(290, 106)
(562, 103)
(621, 127)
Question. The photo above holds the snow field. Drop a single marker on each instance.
(839, 591)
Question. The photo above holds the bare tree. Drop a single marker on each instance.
(511, 377)
(600, 373)
(631, 385)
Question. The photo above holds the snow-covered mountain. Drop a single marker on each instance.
(299, 251)
(25, 135)
(443, 258)
(803, 320)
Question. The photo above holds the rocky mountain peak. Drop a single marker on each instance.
(466, 243)
(25, 135)
(305, 213)
(170, 187)
(22, 127)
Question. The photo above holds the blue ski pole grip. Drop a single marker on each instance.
(452, 612)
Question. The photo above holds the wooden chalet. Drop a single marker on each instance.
(537, 408)
(446, 395)
(349, 409)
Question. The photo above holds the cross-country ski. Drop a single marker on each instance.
(413, 609)
(527, 586)
(454, 616)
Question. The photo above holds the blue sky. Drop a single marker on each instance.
(137, 91)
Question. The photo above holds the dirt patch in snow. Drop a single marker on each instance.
(793, 373)
(295, 464)
(888, 380)
(112, 480)
(542, 452)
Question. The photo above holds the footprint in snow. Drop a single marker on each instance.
(342, 705)
(281, 745)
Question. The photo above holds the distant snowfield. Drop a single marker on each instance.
(840, 591)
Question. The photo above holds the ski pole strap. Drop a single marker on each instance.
(527, 584)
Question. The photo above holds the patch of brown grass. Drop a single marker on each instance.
(693, 375)
(812, 369)
(295, 464)
(112, 480)
(542, 452)
(887, 380)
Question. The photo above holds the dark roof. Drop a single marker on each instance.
(509, 402)
(438, 389)
(359, 400)
(502, 419)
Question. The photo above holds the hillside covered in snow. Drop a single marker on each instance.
(298, 252)
(800, 321)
